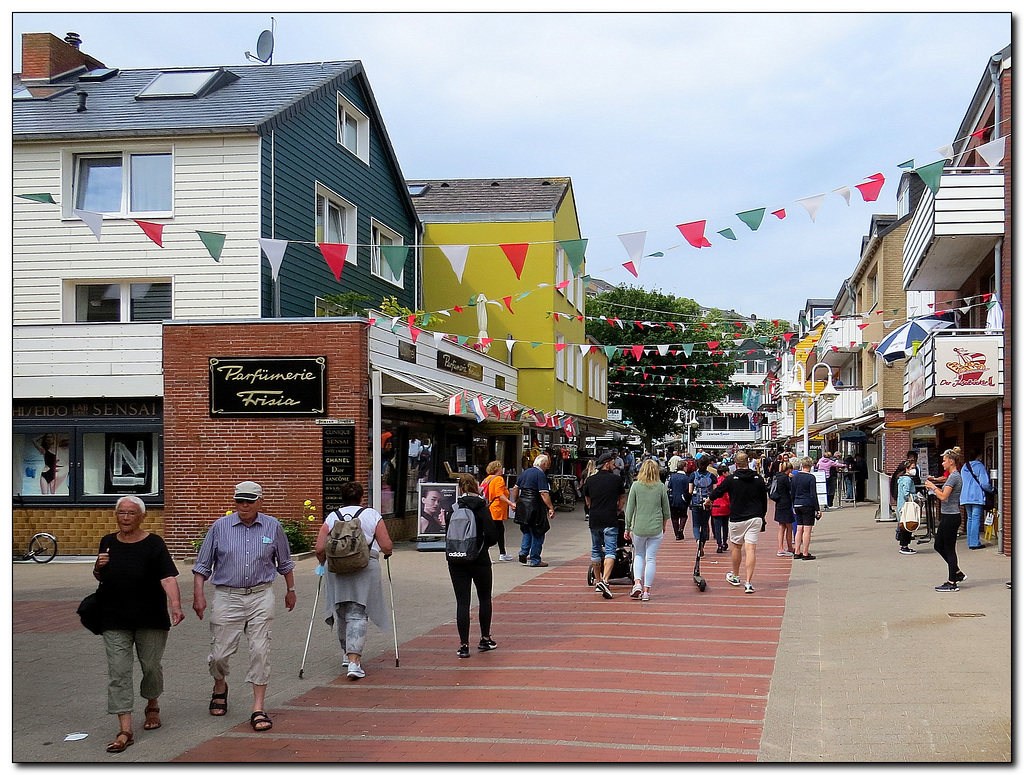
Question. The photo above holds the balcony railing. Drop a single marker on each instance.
(953, 230)
(843, 333)
(954, 370)
(845, 407)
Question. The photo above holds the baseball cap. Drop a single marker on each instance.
(248, 491)
(605, 458)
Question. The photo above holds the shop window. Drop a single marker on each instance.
(419, 453)
(124, 183)
(122, 302)
(388, 468)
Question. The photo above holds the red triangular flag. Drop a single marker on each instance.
(486, 341)
(334, 255)
(712, 345)
(693, 233)
(563, 284)
(670, 325)
(457, 308)
(516, 254)
(788, 336)
(415, 332)
(780, 213)
(155, 231)
(508, 303)
(559, 346)
(632, 269)
(862, 326)
(835, 349)
(980, 134)
(871, 190)
(637, 350)
(986, 296)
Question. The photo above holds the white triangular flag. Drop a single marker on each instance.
(394, 323)
(662, 350)
(274, 248)
(812, 203)
(945, 152)
(438, 336)
(509, 344)
(93, 220)
(993, 152)
(844, 192)
(456, 255)
(633, 242)
(585, 348)
(994, 321)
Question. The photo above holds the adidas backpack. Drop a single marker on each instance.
(346, 547)
(462, 543)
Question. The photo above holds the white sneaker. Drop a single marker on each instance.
(506, 557)
(784, 554)
(748, 588)
(645, 597)
(355, 671)
(733, 579)
(638, 588)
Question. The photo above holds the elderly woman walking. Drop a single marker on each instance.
(648, 514)
(137, 579)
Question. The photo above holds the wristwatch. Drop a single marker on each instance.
(291, 589)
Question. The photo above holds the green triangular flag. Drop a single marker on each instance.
(658, 254)
(461, 339)
(395, 255)
(472, 301)
(687, 349)
(907, 165)
(214, 243)
(426, 319)
(931, 174)
(585, 278)
(45, 198)
(535, 345)
(609, 351)
(574, 251)
(752, 218)
(523, 295)
(727, 233)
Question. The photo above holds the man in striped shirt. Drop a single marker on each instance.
(241, 555)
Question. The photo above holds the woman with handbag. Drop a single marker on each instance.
(977, 485)
(496, 491)
(137, 579)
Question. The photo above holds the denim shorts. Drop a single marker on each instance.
(604, 541)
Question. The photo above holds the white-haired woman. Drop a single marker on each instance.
(137, 579)
(534, 509)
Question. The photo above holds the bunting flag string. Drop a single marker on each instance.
(155, 231)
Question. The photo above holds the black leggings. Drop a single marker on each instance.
(464, 577)
(945, 542)
(678, 515)
(499, 525)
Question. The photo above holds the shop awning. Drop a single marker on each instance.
(911, 424)
(731, 408)
(398, 383)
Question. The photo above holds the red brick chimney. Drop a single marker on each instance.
(45, 56)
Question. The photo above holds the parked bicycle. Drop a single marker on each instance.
(41, 548)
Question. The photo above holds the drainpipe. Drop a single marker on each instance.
(375, 431)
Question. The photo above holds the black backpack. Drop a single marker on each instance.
(775, 488)
(462, 541)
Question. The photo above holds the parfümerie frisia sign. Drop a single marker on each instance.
(262, 387)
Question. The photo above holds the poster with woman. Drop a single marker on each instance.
(44, 468)
(437, 501)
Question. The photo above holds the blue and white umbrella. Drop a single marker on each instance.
(900, 343)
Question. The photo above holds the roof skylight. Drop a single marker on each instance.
(186, 83)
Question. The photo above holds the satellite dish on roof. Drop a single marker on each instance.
(264, 45)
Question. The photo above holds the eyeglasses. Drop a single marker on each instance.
(129, 513)
(239, 500)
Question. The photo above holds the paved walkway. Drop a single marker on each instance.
(851, 657)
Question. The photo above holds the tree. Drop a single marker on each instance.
(653, 389)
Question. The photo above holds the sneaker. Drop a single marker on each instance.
(784, 554)
(538, 565)
(1008, 585)
(355, 671)
(602, 587)
(947, 587)
(732, 579)
(486, 644)
(505, 557)
(522, 559)
(907, 550)
(638, 589)
(748, 588)
(960, 576)
(979, 546)
(645, 597)
(808, 557)
(463, 651)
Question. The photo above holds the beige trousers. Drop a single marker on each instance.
(234, 613)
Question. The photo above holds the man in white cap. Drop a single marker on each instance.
(241, 555)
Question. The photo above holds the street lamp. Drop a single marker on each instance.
(691, 426)
(796, 391)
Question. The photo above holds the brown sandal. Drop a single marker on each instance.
(116, 746)
(219, 703)
(152, 719)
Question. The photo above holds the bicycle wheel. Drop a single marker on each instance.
(42, 547)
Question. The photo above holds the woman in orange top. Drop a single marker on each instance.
(494, 489)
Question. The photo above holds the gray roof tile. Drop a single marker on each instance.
(490, 195)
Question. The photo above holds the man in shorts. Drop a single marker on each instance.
(748, 504)
(605, 495)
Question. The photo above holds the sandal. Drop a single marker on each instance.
(152, 719)
(116, 746)
(260, 718)
(219, 703)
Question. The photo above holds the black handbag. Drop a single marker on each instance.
(90, 613)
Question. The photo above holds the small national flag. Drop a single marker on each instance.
(455, 403)
(477, 405)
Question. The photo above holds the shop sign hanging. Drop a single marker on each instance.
(261, 387)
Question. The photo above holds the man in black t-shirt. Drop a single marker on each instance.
(605, 495)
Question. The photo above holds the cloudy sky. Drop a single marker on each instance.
(659, 119)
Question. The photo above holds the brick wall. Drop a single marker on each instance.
(44, 55)
(1005, 292)
(78, 531)
(205, 457)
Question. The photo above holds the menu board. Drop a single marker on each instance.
(339, 445)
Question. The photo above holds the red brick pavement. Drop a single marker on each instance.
(45, 617)
(575, 678)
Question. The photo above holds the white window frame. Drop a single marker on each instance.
(72, 175)
(347, 110)
(603, 383)
(560, 359)
(377, 265)
(70, 305)
(559, 268)
(324, 198)
(579, 370)
(570, 367)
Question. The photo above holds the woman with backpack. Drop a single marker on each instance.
(473, 571)
(678, 497)
(720, 509)
(701, 484)
(352, 598)
(781, 492)
(495, 490)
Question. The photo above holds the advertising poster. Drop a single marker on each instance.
(129, 463)
(46, 457)
(437, 501)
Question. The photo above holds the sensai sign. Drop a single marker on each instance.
(251, 387)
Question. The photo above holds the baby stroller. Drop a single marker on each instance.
(623, 567)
